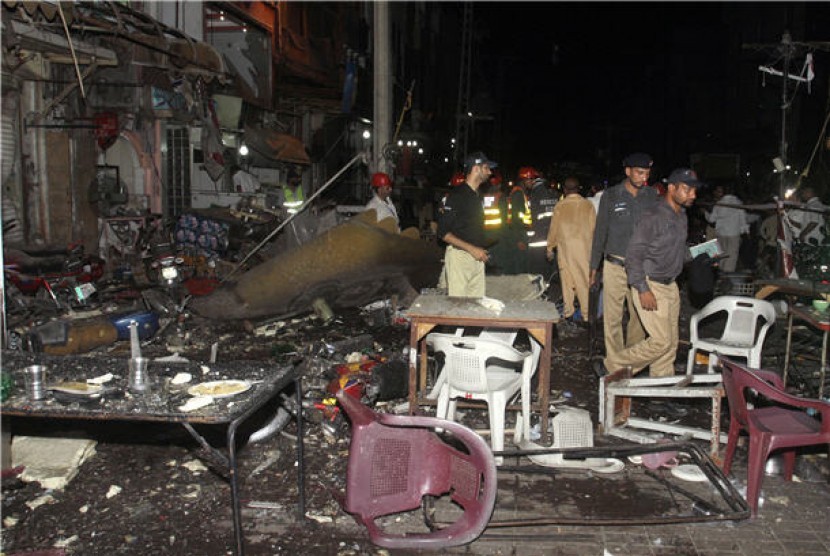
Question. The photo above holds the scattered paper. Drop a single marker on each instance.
(181, 378)
(195, 403)
(39, 501)
(194, 466)
(491, 304)
(103, 379)
(114, 490)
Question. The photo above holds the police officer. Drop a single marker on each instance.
(461, 226)
(620, 209)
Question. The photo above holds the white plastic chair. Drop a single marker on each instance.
(504, 335)
(480, 369)
(739, 337)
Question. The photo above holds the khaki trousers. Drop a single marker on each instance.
(616, 292)
(571, 286)
(659, 350)
(465, 275)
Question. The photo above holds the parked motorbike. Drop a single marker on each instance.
(66, 278)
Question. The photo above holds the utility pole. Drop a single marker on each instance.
(462, 119)
(785, 50)
(383, 87)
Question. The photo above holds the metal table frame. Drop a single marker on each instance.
(429, 311)
(817, 320)
(240, 412)
(617, 390)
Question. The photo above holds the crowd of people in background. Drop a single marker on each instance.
(630, 239)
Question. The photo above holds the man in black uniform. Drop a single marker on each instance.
(461, 226)
(653, 260)
(620, 208)
(542, 198)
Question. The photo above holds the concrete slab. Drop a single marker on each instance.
(52, 462)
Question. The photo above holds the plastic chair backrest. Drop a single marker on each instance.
(467, 360)
(394, 461)
(742, 320)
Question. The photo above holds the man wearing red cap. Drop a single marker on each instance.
(381, 201)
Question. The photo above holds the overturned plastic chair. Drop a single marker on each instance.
(741, 336)
(395, 461)
(486, 370)
(783, 426)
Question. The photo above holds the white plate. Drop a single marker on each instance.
(77, 388)
(689, 472)
(220, 388)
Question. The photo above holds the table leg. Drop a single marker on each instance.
(300, 453)
(232, 471)
(714, 445)
(787, 348)
(413, 368)
(544, 381)
(823, 364)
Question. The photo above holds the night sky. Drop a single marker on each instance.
(593, 81)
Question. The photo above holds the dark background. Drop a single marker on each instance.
(582, 84)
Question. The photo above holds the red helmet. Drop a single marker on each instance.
(529, 173)
(457, 179)
(381, 180)
(496, 179)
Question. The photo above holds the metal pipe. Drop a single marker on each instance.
(360, 156)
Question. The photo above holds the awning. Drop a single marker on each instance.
(272, 147)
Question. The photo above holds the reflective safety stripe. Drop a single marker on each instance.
(544, 215)
(538, 244)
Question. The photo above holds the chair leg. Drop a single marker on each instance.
(713, 360)
(690, 362)
(443, 402)
(789, 464)
(758, 452)
(731, 444)
(497, 433)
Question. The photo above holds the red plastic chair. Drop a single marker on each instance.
(784, 426)
(395, 461)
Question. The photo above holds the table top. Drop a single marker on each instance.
(161, 404)
(819, 319)
(442, 306)
(797, 287)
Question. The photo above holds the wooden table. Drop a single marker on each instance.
(816, 319)
(161, 405)
(429, 311)
(787, 286)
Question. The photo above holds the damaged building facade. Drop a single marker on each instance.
(114, 111)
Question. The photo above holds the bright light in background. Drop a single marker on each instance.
(400, 143)
(243, 150)
(747, 174)
(789, 193)
(446, 159)
(414, 143)
(470, 114)
(420, 151)
(452, 141)
(367, 134)
(788, 167)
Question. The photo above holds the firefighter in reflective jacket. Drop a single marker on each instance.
(542, 198)
(493, 218)
(514, 236)
(292, 192)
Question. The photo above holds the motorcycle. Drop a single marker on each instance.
(67, 278)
